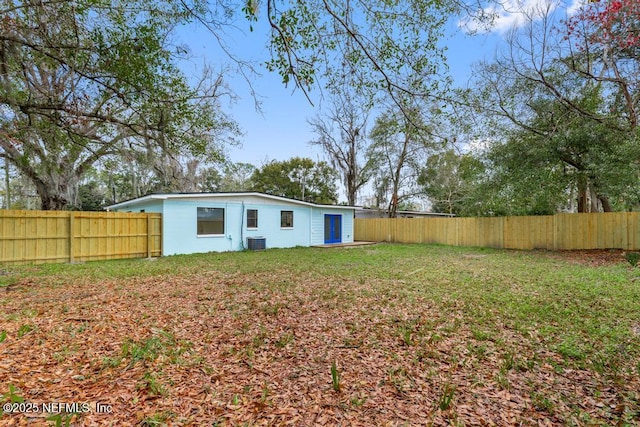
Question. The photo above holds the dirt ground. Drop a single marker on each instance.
(593, 258)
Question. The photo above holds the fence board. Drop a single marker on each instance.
(53, 236)
(615, 230)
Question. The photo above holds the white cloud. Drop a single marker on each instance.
(574, 6)
(509, 14)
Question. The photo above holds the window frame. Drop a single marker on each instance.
(249, 226)
(283, 217)
(198, 221)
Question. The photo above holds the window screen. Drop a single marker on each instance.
(286, 219)
(210, 221)
(252, 218)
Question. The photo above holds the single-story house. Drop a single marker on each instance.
(219, 222)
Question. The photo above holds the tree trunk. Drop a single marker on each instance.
(55, 198)
(393, 206)
(606, 205)
(583, 195)
(595, 201)
(589, 200)
(351, 188)
(351, 173)
(7, 183)
(53, 203)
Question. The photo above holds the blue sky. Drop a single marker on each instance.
(282, 131)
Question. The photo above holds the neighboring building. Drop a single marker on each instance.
(219, 222)
(383, 213)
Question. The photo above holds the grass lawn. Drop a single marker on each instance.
(372, 336)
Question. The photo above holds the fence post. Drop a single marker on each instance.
(71, 222)
(148, 235)
(632, 227)
(555, 232)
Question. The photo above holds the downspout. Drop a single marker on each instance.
(228, 234)
(242, 228)
(311, 226)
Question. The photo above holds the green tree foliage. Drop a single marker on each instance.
(386, 45)
(558, 160)
(127, 178)
(210, 180)
(83, 80)
(524, 179)
(298, 178)
(401, 140)
(92, 197)
(237, 177)
(562, 119)
(451, 182)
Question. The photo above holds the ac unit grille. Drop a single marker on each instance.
(256, 243)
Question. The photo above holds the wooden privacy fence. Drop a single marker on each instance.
(558, 232)
(63, 236)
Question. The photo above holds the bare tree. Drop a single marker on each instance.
(401, 141)
(342, 135)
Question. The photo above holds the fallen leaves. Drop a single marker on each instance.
(232, 349)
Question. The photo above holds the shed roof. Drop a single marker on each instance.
(170, 196)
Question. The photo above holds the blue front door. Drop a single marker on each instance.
(332, 228)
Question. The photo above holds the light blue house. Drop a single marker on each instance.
(219, 222)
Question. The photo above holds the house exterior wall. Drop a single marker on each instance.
(317, 224)
(180, 222)
(181, 233)
(269, 225)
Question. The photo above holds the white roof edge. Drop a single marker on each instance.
(234, 194)
(133, 201)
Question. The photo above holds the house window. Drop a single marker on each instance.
(210, 221)
(286, 219)
(252, 218)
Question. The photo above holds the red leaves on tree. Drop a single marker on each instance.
(612, 25)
